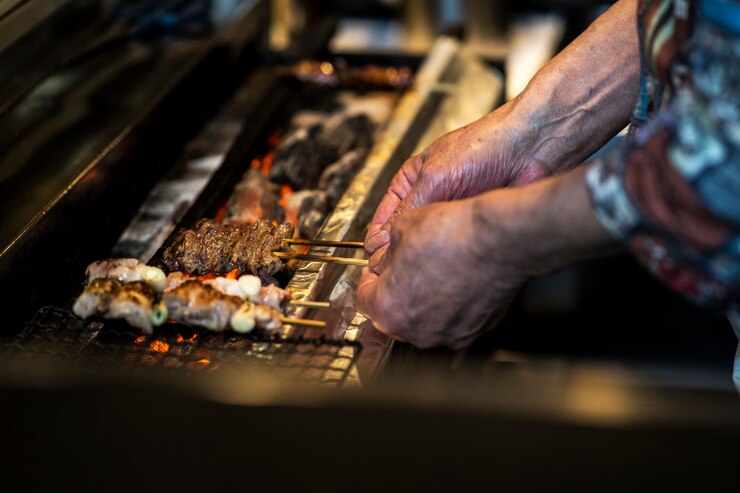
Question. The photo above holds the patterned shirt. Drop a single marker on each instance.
(672, 192)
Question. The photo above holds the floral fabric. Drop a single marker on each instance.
(672, 193)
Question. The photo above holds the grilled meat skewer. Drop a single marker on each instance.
(219, 249)
(326, 74)
(135, 302)
(126, 270)
(200, 304)
(246, 288)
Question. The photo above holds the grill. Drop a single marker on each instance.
(58, 333)
(449, 82)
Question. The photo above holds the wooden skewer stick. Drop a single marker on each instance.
(329, 243)
(311, 304)
(321, 258)
(302, 321)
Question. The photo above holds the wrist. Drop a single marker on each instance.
(540, 228)
(509, 128)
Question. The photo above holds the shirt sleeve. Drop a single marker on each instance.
(672, 192)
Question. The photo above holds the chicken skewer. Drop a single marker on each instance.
(135, 302)
(116, 289)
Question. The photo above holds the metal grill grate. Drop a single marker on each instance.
(59, 333)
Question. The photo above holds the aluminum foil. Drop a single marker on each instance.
(453, 88)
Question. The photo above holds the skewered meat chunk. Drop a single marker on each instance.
(134, 302)
(246, 288)
(274, 297)
(197, 304)
(201, 304)
(126, 270)
(219, 249)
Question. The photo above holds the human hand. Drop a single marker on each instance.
(487, 154)
(451, 270)
(435, 283)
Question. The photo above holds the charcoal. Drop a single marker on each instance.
(348, 132)
(307, 151)
(311, 207)
(336, 177)
(301, 158)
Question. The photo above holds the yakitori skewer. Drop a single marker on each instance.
(321, 258)
(328, 243)
(310, 304)
(304, 322)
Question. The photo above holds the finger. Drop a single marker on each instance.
(379, 261)
(402, 183)
(379, 238)
(425, 191)
(371, 298)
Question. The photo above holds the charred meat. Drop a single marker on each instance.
(219, 249)
(135, 302)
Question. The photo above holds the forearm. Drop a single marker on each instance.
(584, 95)
(540, 228)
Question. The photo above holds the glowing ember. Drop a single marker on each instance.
(159, 346)
(140, 339)
(192, 338)
(204, 361)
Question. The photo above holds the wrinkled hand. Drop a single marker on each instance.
(434, 284)
(484, 155)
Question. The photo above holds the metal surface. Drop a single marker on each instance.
(423, 114)
(35, 35)
(82, 150)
